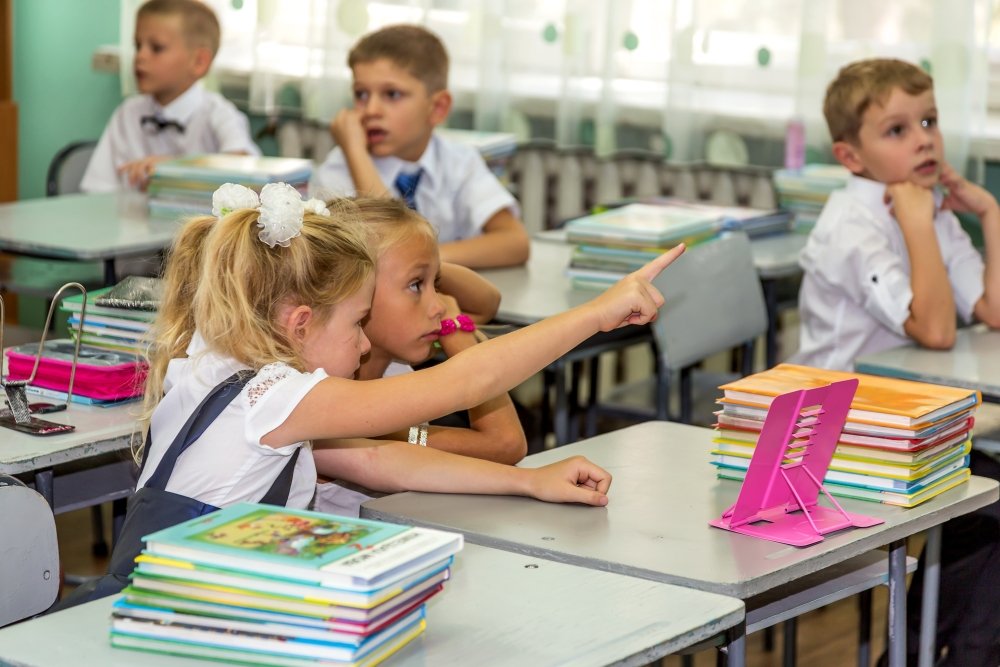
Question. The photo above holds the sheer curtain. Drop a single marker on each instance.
(579, 71)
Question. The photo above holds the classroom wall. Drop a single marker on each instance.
(60, 97)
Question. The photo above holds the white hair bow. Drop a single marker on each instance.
(280, 206)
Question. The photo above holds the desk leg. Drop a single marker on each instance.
(736, 649)
(561, 425)
(43, 484)
(110, 277)
(929, 604)
(897, 604)
(771, 337)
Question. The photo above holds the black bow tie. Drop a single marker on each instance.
(161, 123)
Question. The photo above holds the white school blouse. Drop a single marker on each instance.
(457, 192)
(212, 124)
(228, 463)
(855, 294)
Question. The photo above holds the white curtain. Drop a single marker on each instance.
(578, 71)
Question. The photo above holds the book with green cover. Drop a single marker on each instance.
(645, 226)
(304, 546)
(224, 167)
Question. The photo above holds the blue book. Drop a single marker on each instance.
(299, 545)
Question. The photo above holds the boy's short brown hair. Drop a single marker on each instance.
(198, 22)
(862, 83)
(409, 47)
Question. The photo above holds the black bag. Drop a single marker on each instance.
(153, 508)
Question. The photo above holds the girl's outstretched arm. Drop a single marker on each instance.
(339, 408)
(392, 467)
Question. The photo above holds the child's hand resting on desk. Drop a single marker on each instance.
(574, 480)
(139, 171)
(633, 299)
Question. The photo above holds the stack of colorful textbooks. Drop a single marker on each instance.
(617, 241)
(183, 187)
(265, 585)
(903, 443)
(805, 191)
(118, 318)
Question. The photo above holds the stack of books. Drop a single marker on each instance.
(620, 240)
(903, 443)
(805, 191)
(118, 318)
(258, 584)
(183, 187)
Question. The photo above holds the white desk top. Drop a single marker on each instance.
(974, 362)
(83, 227)
(656, 524)
(98, 431)
(499, 608)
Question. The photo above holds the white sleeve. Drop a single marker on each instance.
(232, 130)
(482, 196)
(101, 175)
(332, 178)
(272, 395)
(965, 267)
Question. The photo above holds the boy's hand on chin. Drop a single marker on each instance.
(909, 203)
(963, 196)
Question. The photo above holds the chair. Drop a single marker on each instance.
(67, 168)
(713, 303)
(29, 566)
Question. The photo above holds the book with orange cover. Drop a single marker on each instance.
(878, 400)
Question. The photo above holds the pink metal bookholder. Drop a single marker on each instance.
(778, 499)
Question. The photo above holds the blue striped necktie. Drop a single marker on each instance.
(406, 184)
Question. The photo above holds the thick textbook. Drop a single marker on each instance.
(878, 400)
(642, 225)
(305, 546)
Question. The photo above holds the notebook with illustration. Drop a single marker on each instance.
(779, 497)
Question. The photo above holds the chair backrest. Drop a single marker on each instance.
(29, 567)
(713, 302)
(67, 168)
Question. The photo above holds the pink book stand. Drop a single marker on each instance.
(777, 501)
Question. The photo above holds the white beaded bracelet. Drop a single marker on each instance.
(417, 435)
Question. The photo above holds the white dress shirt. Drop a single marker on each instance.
(457, 193)
(855, 295)
(212, 124)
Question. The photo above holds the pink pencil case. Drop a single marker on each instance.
(100, 374)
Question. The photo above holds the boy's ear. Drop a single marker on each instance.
(847, 155)
(201, 60)
(440, 106)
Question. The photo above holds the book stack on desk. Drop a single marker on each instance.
(805, 191)
(259, 584)
(620, 240)
(903, 443)
(183, 187)
(117, 318)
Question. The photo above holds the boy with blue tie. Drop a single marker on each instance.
(888, 263)
(386, 147)
(175, 42)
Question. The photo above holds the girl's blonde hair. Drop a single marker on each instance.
(224, 282)
(390, 221)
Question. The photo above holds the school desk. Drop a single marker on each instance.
(88, 466)
(84, 227)
(498, 608)
(973, 363)
(656, 524)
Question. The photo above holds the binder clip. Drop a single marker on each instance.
(19, 414)
(778, 499)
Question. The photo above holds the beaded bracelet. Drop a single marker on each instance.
(461, 322)
(417, 435)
